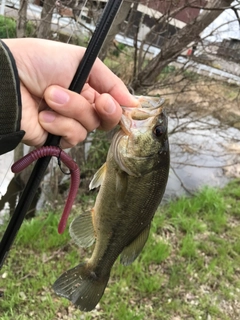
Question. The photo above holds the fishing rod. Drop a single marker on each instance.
(41, 165)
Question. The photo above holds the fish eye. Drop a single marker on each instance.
(159, 131)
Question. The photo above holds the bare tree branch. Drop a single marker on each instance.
(22, 19)
(172, 47)
(46, 19)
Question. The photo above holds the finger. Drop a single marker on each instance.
(72, 105)
(34, 133)
(37, 69)
(109, 111)
(89, 93)
(72, 131)
(110, 84)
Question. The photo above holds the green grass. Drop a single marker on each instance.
(189, 268)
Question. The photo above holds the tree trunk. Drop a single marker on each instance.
(135, 40)
(172, 47)
(22, 177)
(121, 16)
(22, 19)
(131, 18)
(44, 30)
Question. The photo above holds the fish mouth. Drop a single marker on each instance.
(142, 116)
(147, 107)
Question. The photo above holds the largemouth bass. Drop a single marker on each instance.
(132, 181)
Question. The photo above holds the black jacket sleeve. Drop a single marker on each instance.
(10, 102)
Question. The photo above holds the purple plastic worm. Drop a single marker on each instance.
(68, 161)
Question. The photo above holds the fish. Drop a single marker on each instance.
(132, 183)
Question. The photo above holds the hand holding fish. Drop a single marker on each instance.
(46, 69)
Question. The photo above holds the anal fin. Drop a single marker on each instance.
(82, 231)
(131, 252)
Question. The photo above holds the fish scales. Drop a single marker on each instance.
(132, 183)
(136, 222)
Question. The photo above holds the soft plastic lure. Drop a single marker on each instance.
(68, 161)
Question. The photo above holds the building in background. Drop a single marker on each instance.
(170, 17)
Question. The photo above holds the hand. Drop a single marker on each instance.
(46, 69)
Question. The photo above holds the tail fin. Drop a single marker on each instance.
(81, 286)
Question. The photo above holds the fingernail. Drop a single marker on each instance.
(110, 106)
(48, 116)
(59, 96)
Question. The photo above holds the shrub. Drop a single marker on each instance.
(7, 28)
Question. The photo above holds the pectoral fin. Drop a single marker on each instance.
(81, 230)
(130, 253)
(98, 177)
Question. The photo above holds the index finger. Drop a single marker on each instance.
(103, 80)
